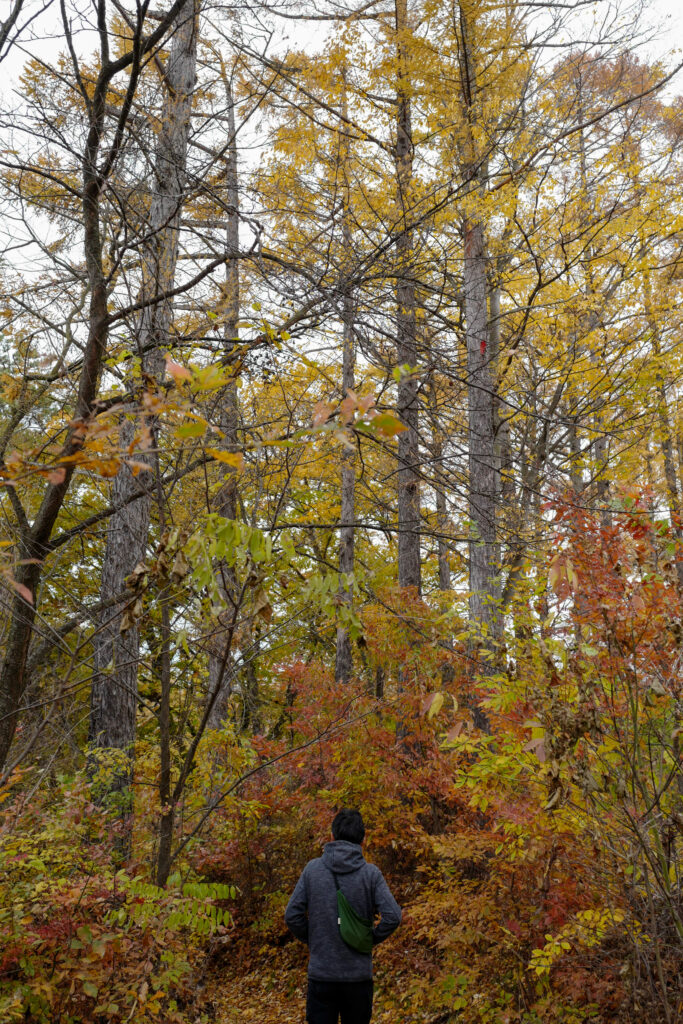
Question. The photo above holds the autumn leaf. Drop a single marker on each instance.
(387, 425)
(176, 371)
(555, 574)
(197, 429)
(571, 574)
(432, 704)
(454, 732)
(234, 459)
(21, 589)
(105, 467)
(262, 606)
(347, 407)
(536, 746)
(321, 413)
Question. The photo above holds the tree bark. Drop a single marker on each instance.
(484, 474)
(443, 548)
(35, 545)
(666, 433)
(344, 656)
(116, 654)
(409, 565)
(221, 667)
(504, 465)
(600, 446)
(575, 470)
(167, 808)
(35, 538)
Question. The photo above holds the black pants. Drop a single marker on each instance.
(326, 1000)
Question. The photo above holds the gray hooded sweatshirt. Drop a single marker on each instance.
(311, 913)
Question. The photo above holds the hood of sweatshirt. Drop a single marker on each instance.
(342, 856)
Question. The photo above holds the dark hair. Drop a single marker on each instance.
(348, 825)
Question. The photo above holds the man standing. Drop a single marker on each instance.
(339, 976)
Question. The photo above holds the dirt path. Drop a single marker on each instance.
(272, 990)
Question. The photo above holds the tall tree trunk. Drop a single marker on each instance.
(344, 660)
(116, 654)
(600, 447)
(504, 467)
(483, 469)
(35, 538)
(344, 657)
(443, 548)
(409, 566)
(441, 524)
(484, 475)
(221, 666)
(167, 814)
(666, 433)
(575, 470)
(249, 686)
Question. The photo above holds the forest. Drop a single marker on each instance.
(341, 465)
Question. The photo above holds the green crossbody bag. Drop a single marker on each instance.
(355, 930)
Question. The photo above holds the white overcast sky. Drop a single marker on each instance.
(665, 18)
(671, 14)
(668, 15)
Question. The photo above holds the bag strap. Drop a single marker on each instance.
(339, 891)
(334, 875)
(336, 879)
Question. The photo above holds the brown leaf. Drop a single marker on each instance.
(180, 567)
(57, 476)
(127, 621)
(177, 371)
(556, 575)
(347, 408)
(22, 590)
(453, 733)
(262, 606)
(321, 413)
(146, 438)
(536, 747)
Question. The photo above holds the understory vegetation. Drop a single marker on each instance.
(538, 862)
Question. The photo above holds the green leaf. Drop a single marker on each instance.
(257, 547)
(387, 425)
(197, 429)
